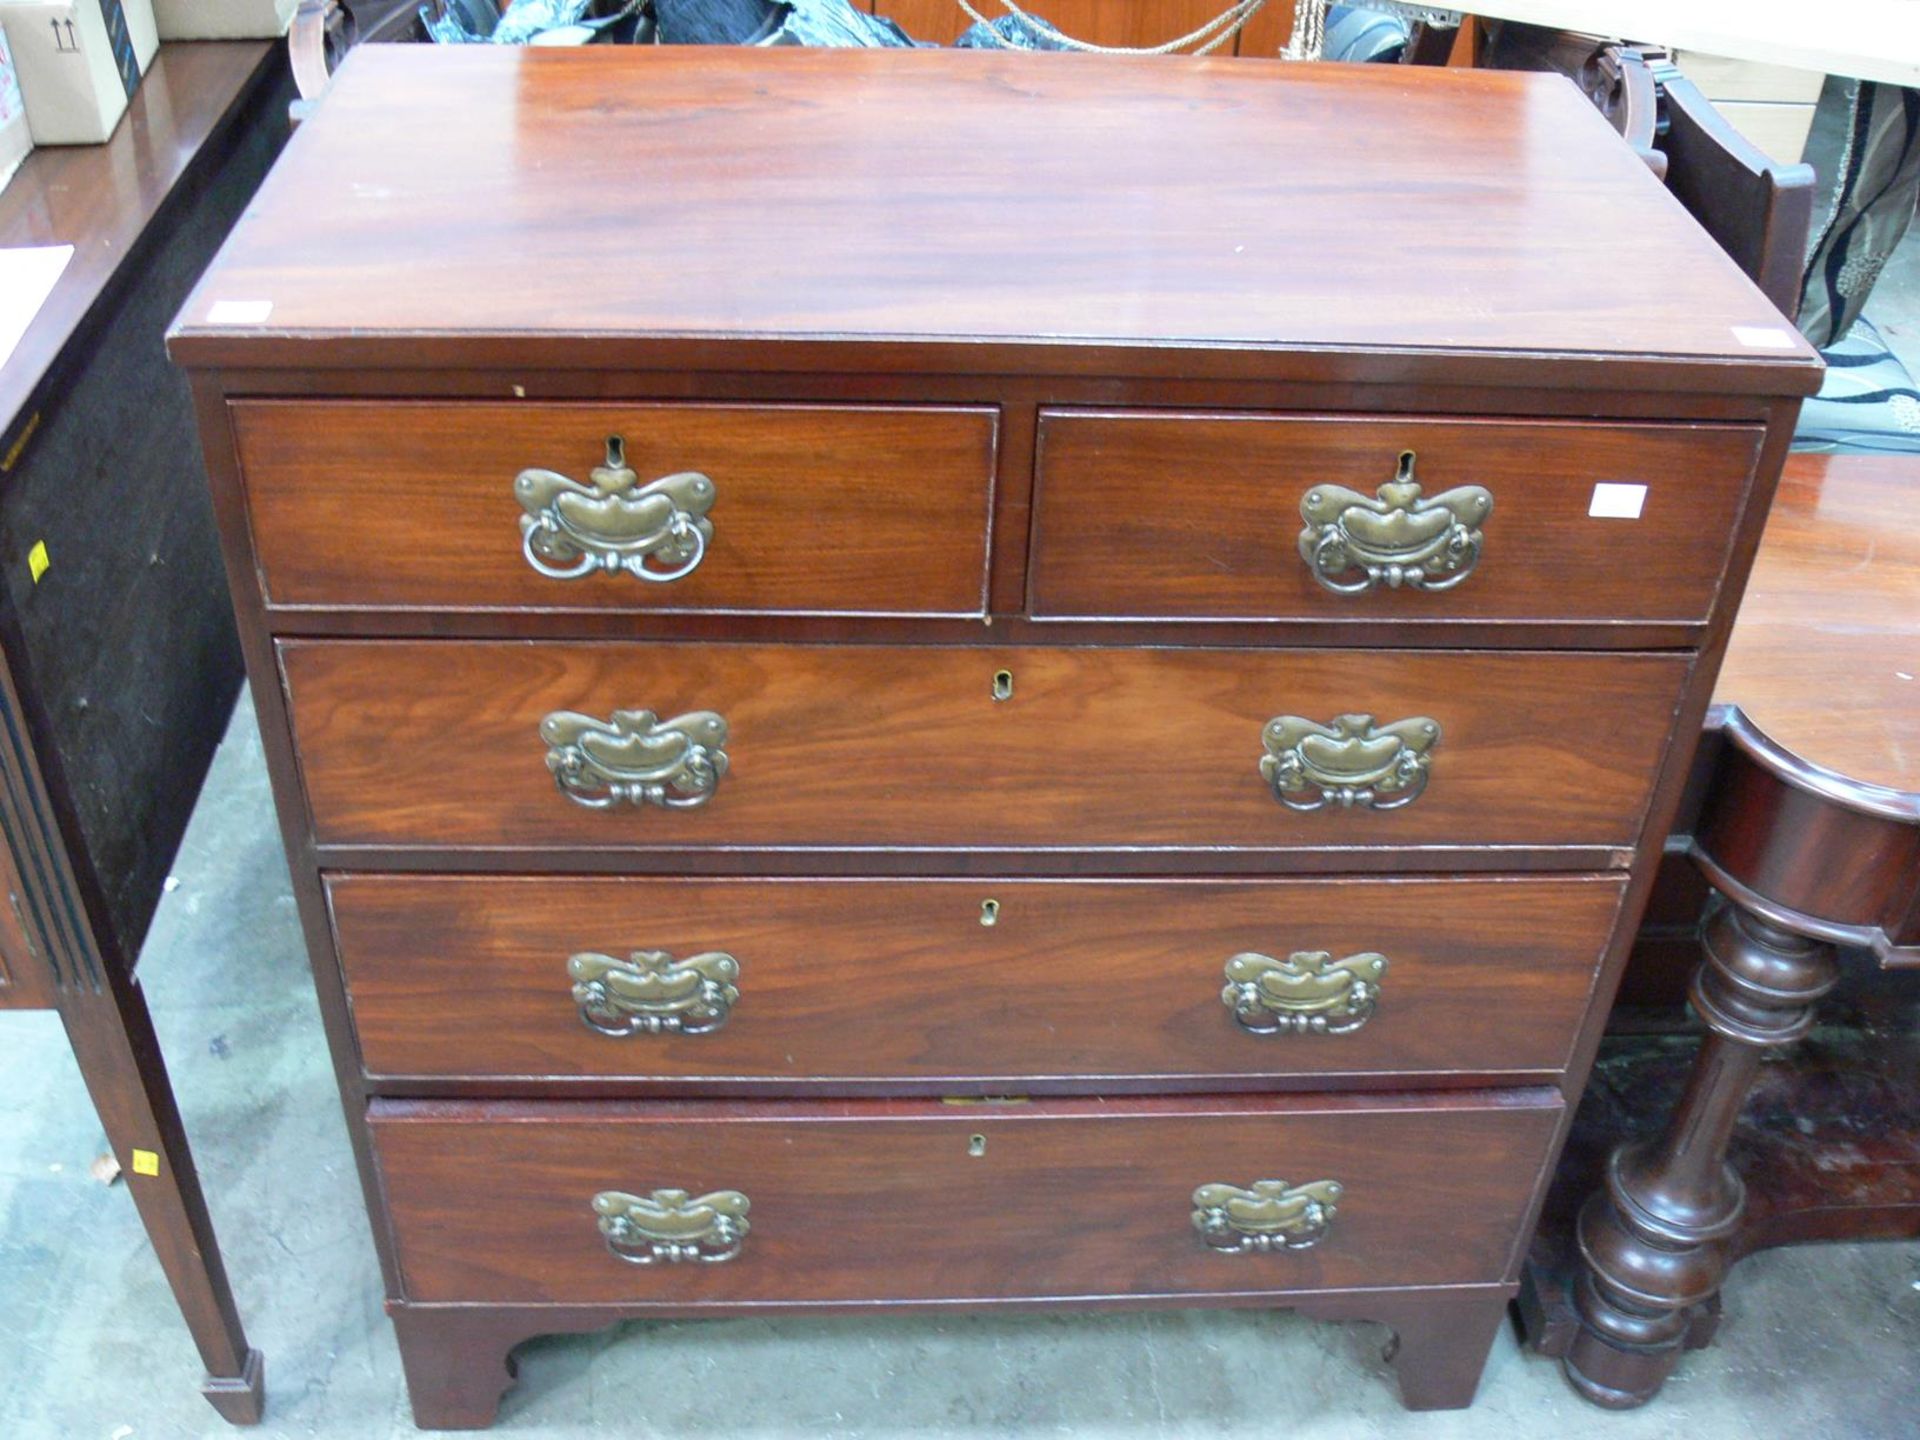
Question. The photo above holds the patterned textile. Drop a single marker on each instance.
(1865, 151)
(120, 42)
(1867, 401)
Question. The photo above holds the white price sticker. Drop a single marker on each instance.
(1763, 337)
(1612, 501)
(239, 312)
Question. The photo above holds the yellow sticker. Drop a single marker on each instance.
(38, 560)
(145, 1162)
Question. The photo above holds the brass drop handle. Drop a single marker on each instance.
(613, 524)
(1396, 537)
(671, 1227)
(1266, 1215)
(1309, 992)
(636, 758)
(1349, 764)
(651, 993)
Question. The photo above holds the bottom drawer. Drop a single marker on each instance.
(687, 1204)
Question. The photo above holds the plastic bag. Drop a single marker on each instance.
(1014, 33)
(475, 22)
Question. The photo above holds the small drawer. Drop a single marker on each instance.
(992, 984)
(690, 1204)
(691, 746)
(1275, 519)
(795, 509)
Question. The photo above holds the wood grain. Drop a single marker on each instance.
(1825, 657)
(1198, 516)
(1162, 212)
(849, 980)
(437, 744)
(884, 1202)
(1267, 33)
(819, 509)
(1808, 851)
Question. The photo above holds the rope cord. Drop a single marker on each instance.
(1309, 38)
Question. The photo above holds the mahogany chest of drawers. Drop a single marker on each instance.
(910, 679)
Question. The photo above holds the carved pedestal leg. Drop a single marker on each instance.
(1652, 1242)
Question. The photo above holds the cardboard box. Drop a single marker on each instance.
(79, 62)
(223, 19)
(15, 139)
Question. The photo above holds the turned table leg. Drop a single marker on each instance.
(1652, 1242)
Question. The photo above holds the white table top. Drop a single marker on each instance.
(1869, 39)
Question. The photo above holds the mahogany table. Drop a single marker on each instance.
(118, 659)
(1807, 832)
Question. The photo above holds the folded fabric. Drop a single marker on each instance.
(1358, 34)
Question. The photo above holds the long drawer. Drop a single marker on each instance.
(1367, 518)
(997, 983)
(772, 508)
(459, 743)
(686, 1204)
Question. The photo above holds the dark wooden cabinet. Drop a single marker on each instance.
(119, 662)
(1073, 712)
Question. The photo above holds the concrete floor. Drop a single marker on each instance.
(1820, 1342)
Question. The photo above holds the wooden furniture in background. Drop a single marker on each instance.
(1759, 210)
(120, 660)
(1136, 24)
(325, 30)
(665, 905)
(1770, 105)
(1807, 828)
(1615, 77)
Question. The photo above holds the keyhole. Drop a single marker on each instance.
(1003, 684)
(976, 1145)
(989, 912)
(616, 453)
(1406, 465)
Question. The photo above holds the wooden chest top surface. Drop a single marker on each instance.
(972, 213)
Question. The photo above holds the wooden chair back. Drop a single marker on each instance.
(1759, 211)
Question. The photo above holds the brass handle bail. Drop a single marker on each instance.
(1396, 537)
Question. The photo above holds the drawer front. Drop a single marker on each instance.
(787, 509)
(923, 1201)
(1260, 518)
(987, 981)
(457, 743)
